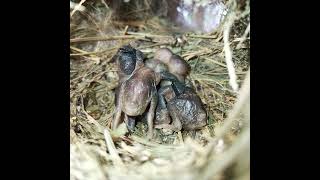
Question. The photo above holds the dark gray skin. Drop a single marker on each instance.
(137, 89)
(162, 114)
(182, 105)
(177, 103)
(127, 59)
(135, 94)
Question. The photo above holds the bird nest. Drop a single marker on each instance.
(220, 75)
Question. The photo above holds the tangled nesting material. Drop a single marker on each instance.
(91, 105)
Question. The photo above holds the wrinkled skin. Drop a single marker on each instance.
(175, 64)
(135, 94)
(158, 67)
(127, 60)
(181, 106)
(137, 89)
(177, 104)
(162, 114)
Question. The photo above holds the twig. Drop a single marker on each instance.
(125, 30)
(106, 38)
(79, 50)
(202, 36)
(124, 33)
(216, 62)
(90, 118)
(244, 36)
(180, 137)
(211, 89)
(139, 24)
(90, 53)
(151, 144)
(153, 45)
(244, 97)
(227, 157)
(112, 149)
(149, 35)
(222, 73)
(201, 77)
(228, 53)
(202, 52)
(75, 5)
(78, 7)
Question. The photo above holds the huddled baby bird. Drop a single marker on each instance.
(155, 89)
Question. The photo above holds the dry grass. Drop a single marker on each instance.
(219, 151)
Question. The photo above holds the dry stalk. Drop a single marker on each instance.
(105, 38)
(78, 7)
(244, 97)
(244, 36)
(241, 144)
(112, 149)
(228, 53)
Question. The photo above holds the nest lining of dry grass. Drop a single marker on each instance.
(219, 151)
